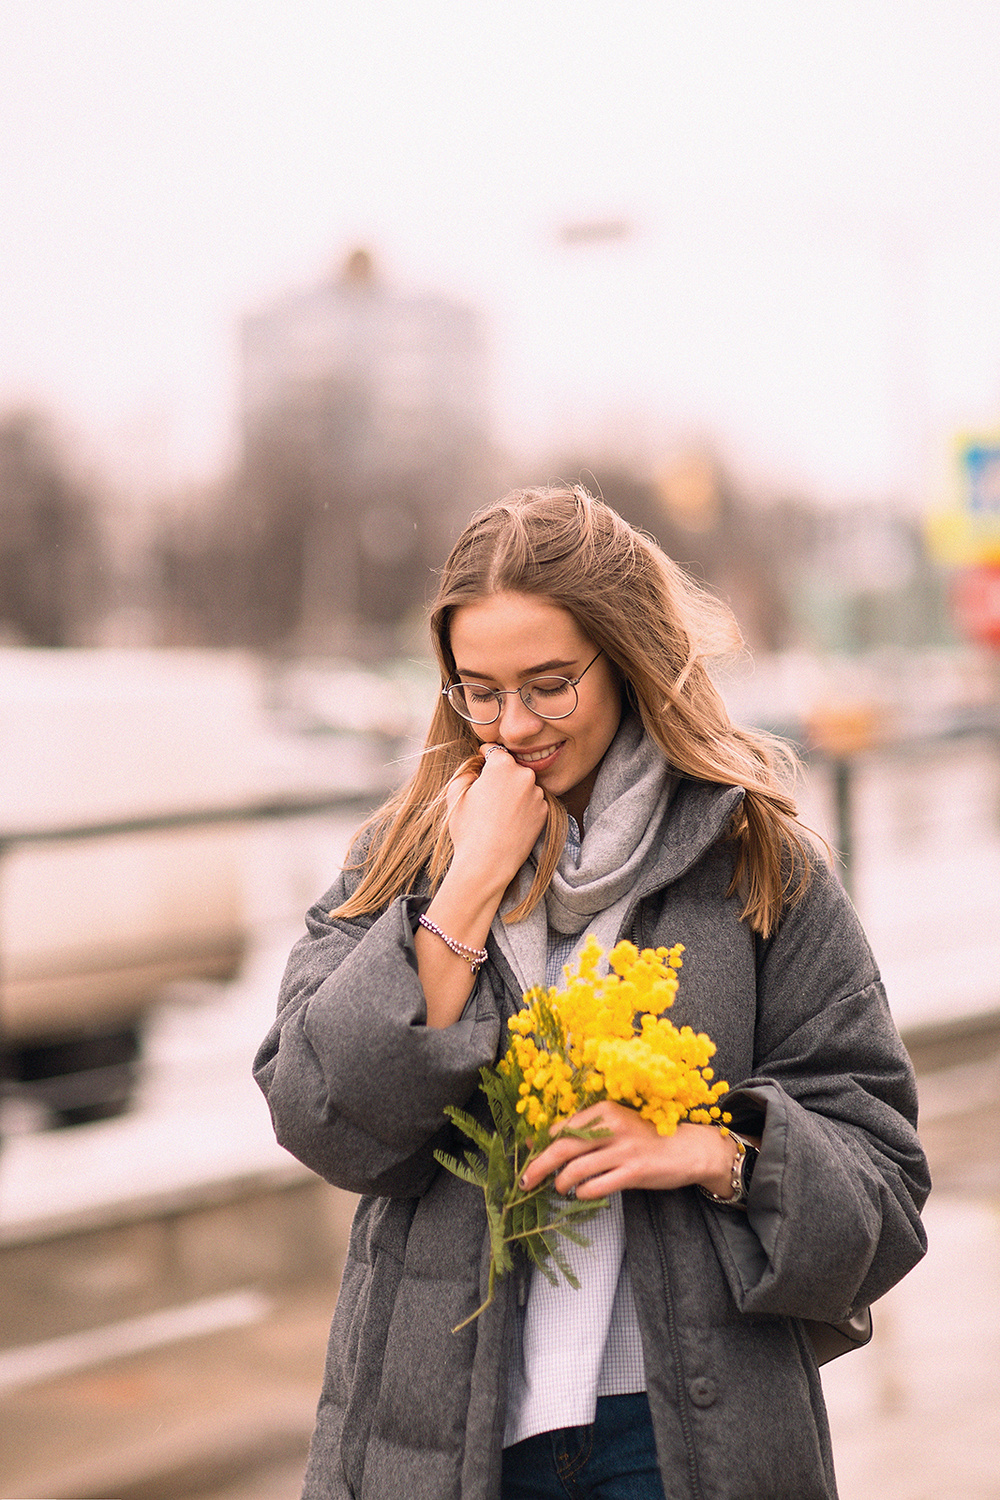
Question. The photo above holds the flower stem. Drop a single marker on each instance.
(483, 1305)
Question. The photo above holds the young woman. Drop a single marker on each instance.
(581, 775)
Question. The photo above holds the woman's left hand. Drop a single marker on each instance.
(633, 1155)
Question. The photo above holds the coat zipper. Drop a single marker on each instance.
(675, 1349)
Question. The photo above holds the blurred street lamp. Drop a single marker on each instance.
(595, 231)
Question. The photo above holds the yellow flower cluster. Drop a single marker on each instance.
(605, 1036)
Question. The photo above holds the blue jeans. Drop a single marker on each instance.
(613, 1459)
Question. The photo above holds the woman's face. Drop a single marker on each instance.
(503, 642)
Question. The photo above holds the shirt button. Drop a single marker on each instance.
(702, 1390)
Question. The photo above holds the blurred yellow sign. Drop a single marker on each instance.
(844, 728)
(688, 488)
(967, 532)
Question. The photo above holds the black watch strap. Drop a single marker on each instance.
(743, 1169)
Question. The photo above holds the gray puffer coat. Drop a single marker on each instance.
(357, 1084)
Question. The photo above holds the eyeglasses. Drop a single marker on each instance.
(548, 697)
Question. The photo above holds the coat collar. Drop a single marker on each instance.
(700, 813)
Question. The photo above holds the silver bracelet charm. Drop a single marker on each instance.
(474, 957)
(740, 1179)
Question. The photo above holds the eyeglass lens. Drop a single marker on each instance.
(549, 697)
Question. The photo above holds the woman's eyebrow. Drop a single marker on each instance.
(538, 671)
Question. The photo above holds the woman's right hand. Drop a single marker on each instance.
(495, 813)
(495, 817)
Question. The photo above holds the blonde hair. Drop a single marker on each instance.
(658, 628)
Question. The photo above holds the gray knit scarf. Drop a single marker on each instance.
(623, 825)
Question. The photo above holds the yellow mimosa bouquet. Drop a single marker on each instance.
(604, 1036)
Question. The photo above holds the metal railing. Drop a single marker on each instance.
(842, 768)
(76, 1091)
(263, 810)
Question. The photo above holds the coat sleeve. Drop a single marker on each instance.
(355, 1080)
(833, 1218)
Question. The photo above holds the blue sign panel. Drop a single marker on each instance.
(981, 473)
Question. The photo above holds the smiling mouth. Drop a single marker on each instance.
(531, 757)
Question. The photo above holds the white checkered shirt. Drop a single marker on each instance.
(573, 1346)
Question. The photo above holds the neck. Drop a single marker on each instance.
(576, 799)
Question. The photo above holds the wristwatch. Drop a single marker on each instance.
(743, 1165)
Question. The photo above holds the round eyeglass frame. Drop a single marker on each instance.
(500, 693)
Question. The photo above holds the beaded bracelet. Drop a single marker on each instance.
(474, 957)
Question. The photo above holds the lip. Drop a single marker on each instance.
(542, 763)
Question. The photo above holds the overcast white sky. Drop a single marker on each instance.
(815, 188)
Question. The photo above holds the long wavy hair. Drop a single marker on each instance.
(659, 630)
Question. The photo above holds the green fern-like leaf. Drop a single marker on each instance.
(541, 1260)
(500, 1178)
(516, 1219)
(501, 1108)
(474, 1159)
(468, 1171)
(561, 1261)
(566, 1223)
(572, 1233)
(500, 1250)
(470, 1126)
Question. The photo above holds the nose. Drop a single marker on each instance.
(516, 719)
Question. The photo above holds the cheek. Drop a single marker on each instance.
(600, 733)
(614, 719)
(610, 718)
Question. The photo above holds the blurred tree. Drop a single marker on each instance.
(228, 566)
(53, 576)
(701, 521)
(302, 549)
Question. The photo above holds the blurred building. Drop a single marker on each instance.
(365, 425)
